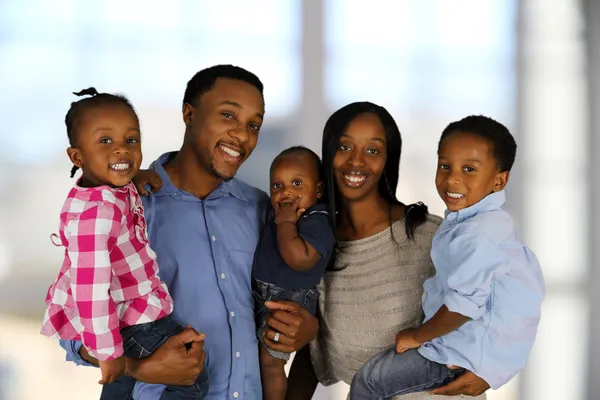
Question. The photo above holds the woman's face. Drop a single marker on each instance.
(360, 158)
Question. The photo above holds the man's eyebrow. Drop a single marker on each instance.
(238, 105)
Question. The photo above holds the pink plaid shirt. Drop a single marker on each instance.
(108, 279)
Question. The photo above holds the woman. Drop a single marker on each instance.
(373, 288)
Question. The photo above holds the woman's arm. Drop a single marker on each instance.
(302, 381)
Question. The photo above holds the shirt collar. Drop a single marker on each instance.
(130, 187)
(226, 188)
(490, 202)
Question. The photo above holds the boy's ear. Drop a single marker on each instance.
(501, 180)
(320, 190)
(75, 156)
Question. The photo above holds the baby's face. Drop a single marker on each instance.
(294, 175)
(467, 170)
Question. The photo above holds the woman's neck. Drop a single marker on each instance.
(187, 173)
(365, 217)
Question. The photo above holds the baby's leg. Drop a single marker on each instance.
(272, 372)
(389, 374)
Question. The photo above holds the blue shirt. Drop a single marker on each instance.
(485, 272)
(313, 227)
(205, 250)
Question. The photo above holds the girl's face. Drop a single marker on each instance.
(360, 158)
(107, 146)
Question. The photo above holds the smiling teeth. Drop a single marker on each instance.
(230, 152)
(454, 195)
(120, 167)
(355, 178)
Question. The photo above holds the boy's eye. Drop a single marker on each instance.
(132, 140)
(469, 169)
(444, 166)
(297, 182)
(105, 140)
(255, 127)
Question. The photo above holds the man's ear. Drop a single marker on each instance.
(187, 111)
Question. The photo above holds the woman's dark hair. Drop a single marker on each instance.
(414, 214)
(78, 107)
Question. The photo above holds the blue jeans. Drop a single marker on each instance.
(389, 374)
(139, 341)
(262, 291)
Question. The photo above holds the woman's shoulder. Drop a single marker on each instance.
(429, 227)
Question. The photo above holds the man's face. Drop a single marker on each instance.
(223, 125)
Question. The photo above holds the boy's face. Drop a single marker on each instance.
(293, 175)
(467, 170)
(108, 146)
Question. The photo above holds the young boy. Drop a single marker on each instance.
(293, 251)
(482, 307)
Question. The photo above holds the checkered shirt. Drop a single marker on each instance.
(108, 279)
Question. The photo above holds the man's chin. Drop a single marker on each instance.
(222, 175)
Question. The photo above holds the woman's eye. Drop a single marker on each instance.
(227, 115)
(373, 151)
(344, 147)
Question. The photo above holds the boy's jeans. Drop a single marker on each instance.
(388, 374)
(262, 291)
(140, 341)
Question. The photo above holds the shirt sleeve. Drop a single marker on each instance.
(72, 348)
(315, 230)
(478, 263)
(91, 237)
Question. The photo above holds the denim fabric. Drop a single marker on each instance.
(389, 374)
(262, 291)
(140, 341)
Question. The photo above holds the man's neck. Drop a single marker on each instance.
(186, 173)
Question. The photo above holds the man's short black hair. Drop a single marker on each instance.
(204, 80)
(504, 146)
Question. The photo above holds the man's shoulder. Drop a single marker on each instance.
(252, 193)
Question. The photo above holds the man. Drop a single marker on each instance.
(204, 226)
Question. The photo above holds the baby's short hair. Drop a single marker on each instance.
(299, 150)
(504, 146)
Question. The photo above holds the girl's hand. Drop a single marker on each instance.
(405, 340)
(147, 177)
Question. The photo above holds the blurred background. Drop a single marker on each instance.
(532, 64)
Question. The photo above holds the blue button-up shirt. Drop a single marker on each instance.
(484, 271)
(205, 250)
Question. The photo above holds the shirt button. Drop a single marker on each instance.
(222, 276)
(232, 314)
(237, 354)
(213, 238)
(236, 394)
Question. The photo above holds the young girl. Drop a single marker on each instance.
(483, 305)
(108, 293)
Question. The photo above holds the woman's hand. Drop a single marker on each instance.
(467, 384)
(172, 363)
(297, 327)
(147, 177)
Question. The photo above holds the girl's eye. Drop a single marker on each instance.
(297, 182)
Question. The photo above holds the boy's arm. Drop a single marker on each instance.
(295, 251)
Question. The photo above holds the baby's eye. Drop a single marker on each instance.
(469, 169)
(276, 186)
(297, 182)
(105, 140)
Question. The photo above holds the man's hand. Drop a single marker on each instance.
(406, 339)
(172, 363)
(289, 212)
(147, 177)
(467, 384)
(294, 323)
(111, 370)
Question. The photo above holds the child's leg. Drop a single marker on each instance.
(142, 340)
(272, 373)
(121, 389)
(389, 374)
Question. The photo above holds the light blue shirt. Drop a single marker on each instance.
(485, 272)
(205, 250)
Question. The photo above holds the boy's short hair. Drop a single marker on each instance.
(504, 146)
(299, 150)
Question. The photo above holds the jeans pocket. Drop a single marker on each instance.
(134, 349)
(311, 299)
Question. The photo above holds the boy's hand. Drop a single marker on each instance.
(147, 177)
(289, 212)
(111, 370)
(406, 339)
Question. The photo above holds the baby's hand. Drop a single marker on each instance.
(147, 177)
(289, 212)
(405, 340)
(111, 370)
